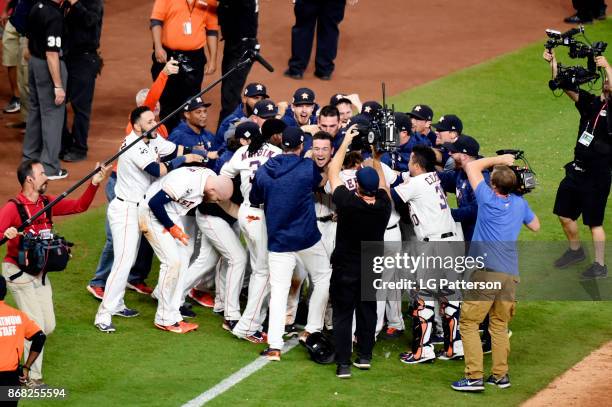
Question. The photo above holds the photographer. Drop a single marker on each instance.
(32, 293)
(586, 185)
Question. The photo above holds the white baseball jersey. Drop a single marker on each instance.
(242, 164)
(429, 209)
(132, 179)
(185, 186)
(349, 178)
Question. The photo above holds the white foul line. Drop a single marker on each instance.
(236, 378)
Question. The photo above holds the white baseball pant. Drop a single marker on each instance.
(293, 300)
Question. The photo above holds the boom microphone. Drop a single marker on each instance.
(257, 57)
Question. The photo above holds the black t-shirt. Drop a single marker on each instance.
(358, 222)
(45, 24)
(594, 154)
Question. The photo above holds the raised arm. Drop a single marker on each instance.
(333, 171)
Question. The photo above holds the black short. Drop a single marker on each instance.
(583, 193)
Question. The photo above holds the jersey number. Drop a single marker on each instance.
(53, 42)
(254, 166)
(444, 203)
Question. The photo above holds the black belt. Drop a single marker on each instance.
(255, 206)
(16, 275)
(325, 218)
(123, 200)
(442, 236)
(392, 227)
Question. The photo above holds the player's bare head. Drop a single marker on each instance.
(503, 179)
(218, 188)
(31, 176)
(352, 160)
(322, 148)
(142, 119)
(141, 96)
(329, 119)
(422, 160)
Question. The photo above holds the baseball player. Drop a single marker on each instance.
(136, 169)
(344, 104)
(160, 215)
(245, 161)
(253, 93)
(303, 109)
(285, 185)
(432, 220)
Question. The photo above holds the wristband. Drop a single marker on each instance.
(176, 162)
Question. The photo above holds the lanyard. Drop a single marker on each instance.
(190, 8)
(597, 117)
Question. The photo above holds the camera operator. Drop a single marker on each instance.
(32, 293)
(586, 185)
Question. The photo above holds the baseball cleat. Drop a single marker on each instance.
(408, 358)
(186, 311)
(140, 288)
(229, 325)
(202, 298)
(106, 328)
(272, 354)
(343, 371)
(392, 333)
(180, 327)
(97, 292)
(468, 385)
(290, 331)
(442, 355)
(257, 337)
(127, 313)
(502, 383)
(362, 363)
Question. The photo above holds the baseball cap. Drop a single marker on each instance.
(368, 180)
(402, 122)
(292, 137)
(339, 98)
(464, 144)
(272, 127)
(196, 103)
(303, 96)
(247, 130)
(256, 89)
(265, 109)
(422, 112)
(449, 122)
(371, 108)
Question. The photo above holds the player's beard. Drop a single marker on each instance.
(249, 110)
(42, 189)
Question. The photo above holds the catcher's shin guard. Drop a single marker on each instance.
(453, 346)
(422, 324)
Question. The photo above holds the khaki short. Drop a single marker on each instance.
(10, 46)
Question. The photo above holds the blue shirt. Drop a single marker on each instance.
(285, 185)
(498, 225)
(398, 159)
(183, 135)
(236, 115)
(290, 121)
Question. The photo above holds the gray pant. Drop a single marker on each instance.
(43, 142)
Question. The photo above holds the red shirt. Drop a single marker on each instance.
(9, 216)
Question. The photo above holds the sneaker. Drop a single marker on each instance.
(110, 328)
(362, 363)
(596, 271)
(343, 371)
(97, 292)
(502, 383)
(409, 359)
(442, 355)
(229, 324)
(290, 331)
(303, 336)
(436, 339)
(127, 313)
(323, 77)
(16, 125)
(13, 106)
(63, 173)
(140, 288)
(468, 385)
(186, 311)
(36, 384)
(257, 337)
(570, 257)
(272, 354)
(73, 157)
(180, 327)
(202, 298)
(293, 75)
(576, 20)
(392, 333)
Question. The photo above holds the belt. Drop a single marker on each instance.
(327, 218)
(442, 236)
(392, 227)
(16, 275)
(125, 200)
(256, 206)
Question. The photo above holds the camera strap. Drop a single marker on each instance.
(596, 119)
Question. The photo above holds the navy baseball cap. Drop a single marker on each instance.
(272, 127)
(371, 108)
(256, 89)
(449, 122)
(339, 98)
(292, 137)
(368, 180)
(265, 109)
(247, 130)
(402, 122)
(464, 144)
(422, 112)
(303, 96)
(196, 103)
(360, 119)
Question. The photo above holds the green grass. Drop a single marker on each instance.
(504, 103)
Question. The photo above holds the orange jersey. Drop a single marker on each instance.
(15, 326)
(184, 23)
